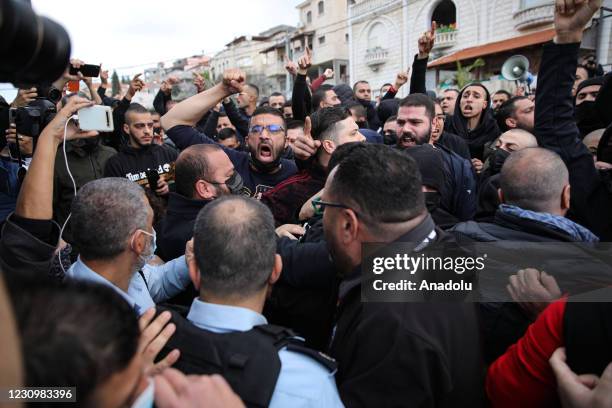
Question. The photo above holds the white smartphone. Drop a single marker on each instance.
(96, 117)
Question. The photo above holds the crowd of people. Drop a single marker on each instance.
(208, 252)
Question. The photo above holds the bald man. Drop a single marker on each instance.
(511, 141)
(203, 173)
(535, 196)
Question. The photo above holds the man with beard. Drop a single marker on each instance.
(141, 155)
(263, 166)
(203, 174)
(391, 353)
(415, 119)
(112, 225)
(499, 98)
(451, 141)
(333, 127)
(516, 113)
(86, 160)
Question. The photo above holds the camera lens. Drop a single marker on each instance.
(33, 48)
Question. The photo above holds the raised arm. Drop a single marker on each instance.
(419, 65)
(300, 88)
(555, 125)
(191, 110)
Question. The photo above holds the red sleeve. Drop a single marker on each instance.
(318, 82)
(522, 376)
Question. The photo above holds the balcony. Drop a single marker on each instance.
(445, 39)
(376, 57)
(534, 16)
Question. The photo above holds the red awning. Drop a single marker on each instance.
(495, 47)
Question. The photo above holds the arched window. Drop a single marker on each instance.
(377, 36)
(321, 8)
(445, 14)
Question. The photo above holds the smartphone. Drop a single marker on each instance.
(96, 117)
(87, 70)
(152, 178)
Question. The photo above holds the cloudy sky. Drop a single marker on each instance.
(130, 35)
(126, 33)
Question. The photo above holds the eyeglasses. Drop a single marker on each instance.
(272, 129)
(319, 206)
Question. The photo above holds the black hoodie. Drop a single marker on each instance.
(133, 163)
(486, 131)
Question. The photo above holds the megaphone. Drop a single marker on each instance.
(516, 68)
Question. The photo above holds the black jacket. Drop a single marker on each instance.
(177, 226)
(398, 354)
(85, 166)
(133, 163)
(572, 266)
(456, 144)
(486, 131)
(556, 129)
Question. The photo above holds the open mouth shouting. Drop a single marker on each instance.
(406, 140)
(265, 152)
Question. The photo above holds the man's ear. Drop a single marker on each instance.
(565, 198)
(500, 195)
(349, 227)
(276, 269)
(511, 123)
(328, 146)
(138, 242)
(126, 128)
(194, 272)
(204, 190)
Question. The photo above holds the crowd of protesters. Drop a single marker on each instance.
(208, 252)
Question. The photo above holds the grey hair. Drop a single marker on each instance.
(533, 179)
(105, 213)
(234, 246)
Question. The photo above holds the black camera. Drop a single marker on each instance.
(30, 120)
(33, 49)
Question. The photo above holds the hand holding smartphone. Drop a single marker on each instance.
(96, 117)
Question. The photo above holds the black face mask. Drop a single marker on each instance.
(265, 167)
(498, 159)
(236, 185)
(432, 200)
(390, 137)
(587, 118)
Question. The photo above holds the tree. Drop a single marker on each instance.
(116, 86)
(463, 75)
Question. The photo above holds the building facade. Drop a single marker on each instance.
(384, 36)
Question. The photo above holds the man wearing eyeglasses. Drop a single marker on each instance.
(263, 166)
(393, 354)
(449, 140)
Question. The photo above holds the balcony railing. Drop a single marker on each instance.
(376, 57)
(534, 16)
(445, 39)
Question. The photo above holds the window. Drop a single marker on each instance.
(309, 17)
(377, 37)
(321, 40)
(321, 8)
(445, 14)
(346, 37)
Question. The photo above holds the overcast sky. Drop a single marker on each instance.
(130, 35)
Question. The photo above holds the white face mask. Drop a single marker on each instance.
(146, 256)
(147, 397)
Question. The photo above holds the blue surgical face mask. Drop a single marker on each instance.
(146, 257)
(146, 398)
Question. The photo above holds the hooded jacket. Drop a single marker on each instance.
(133, 163)
(486, 131)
